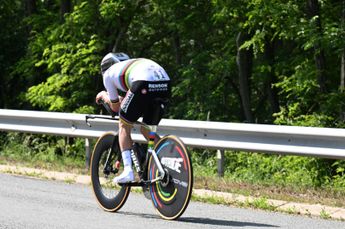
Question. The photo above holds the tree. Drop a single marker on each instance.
(272, 92)
(31, 7)
(12, 47)
(255, 61)
(314, 13)
(342, 65)
(244, 63)
(65, 7)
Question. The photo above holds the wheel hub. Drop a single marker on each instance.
(166, 179)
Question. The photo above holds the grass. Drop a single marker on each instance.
(325, 196)
(60, 165)
(70, 181)
(257, 203)
(261, 203)
(324, 214)
(292, 210)
(211, 199)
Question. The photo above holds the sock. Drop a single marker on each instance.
(127, 160)
(127, 175)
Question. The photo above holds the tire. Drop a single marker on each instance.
(109, 196)
(171, 196)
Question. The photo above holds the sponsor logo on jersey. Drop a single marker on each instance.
(127, 101)
(158, 87)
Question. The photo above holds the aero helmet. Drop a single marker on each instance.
(112, 58)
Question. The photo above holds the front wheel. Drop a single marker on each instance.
(110, 197)
(171, 196)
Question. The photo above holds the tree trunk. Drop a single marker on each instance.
(121, 33)
(2, 92)
(244, 64)
(314, 10)
(65, 7)
(342, 66)
(49, 4)
(342, 74)
(234, 87)
(177, 48)
(30, 7)
(271, 77)
(124, 25)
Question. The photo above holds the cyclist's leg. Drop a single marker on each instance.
(131, 110)
(125, 139)
(125, 142)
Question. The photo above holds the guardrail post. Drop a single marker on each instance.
(88, 154)
(220, 162)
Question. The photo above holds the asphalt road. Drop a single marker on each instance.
(34, 203)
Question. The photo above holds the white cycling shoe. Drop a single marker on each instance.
(125, 177)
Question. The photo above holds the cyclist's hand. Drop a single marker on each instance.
(102, 95)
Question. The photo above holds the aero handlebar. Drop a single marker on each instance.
(107, 107)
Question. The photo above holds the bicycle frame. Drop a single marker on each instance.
(150, 149)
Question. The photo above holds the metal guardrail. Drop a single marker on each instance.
(306, 141)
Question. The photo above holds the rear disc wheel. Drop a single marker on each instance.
(171, 196)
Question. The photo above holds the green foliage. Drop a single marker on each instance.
(338, 178)
(51, 62)
(71, 62)
(204, 163)
(305, 105)
(270, 20)
(275, 170)
(43, 150)
(60, 70)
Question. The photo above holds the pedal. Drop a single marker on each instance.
(136, 183)
(131, 184)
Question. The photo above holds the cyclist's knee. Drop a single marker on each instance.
(146, 132)
(124, 128)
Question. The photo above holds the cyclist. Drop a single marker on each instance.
(147, 88)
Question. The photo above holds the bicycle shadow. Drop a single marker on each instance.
(203, 221)
(220, 222)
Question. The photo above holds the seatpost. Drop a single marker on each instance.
(151, 144)
(152, 136)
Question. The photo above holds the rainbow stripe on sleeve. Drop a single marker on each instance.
(125, 72)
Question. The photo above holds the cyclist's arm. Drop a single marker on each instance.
(113, 104)
(112, 97)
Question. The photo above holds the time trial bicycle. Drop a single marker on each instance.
(164, 171)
